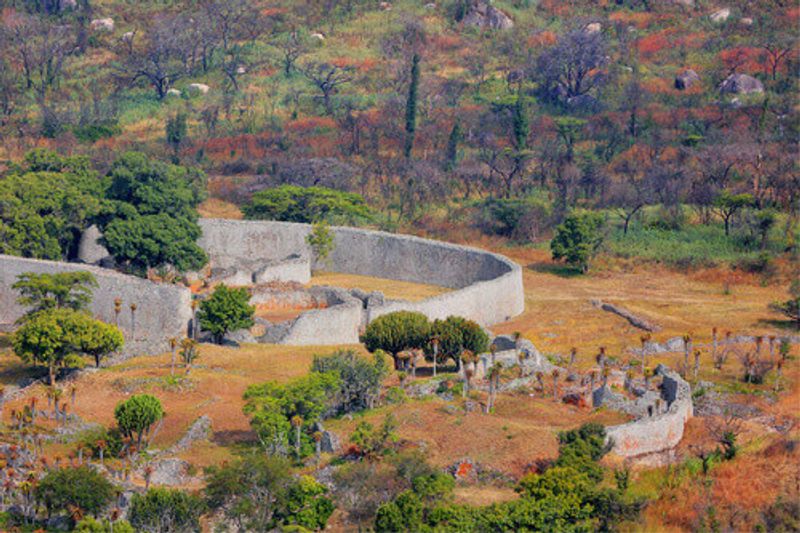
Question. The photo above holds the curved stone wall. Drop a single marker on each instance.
(662, 431)
(162, 310)
(487, 287)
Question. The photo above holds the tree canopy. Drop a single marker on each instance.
(292, 203)
(226, 310)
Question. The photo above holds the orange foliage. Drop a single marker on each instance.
(744, 59)
(652, 44)
(445, 43)
(541, 39)
(639, 19)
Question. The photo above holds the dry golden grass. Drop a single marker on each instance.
(392, 289)
(216, 208)
(559, 314)
(480, 495)
(521, 431)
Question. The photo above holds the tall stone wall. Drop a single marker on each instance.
(163, 310)
(653, 434)
(487, 287)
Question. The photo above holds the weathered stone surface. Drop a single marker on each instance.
(740, 84)
(330, 442)
(199, 430)
(90, 251)
(175, 93)
(170, 472)
(664, 429)
(593, 27)
(488, 287)
(686, 79)
(163, 310)
(198, 88)
(102, 25)
(634, 320)
(720, 15)
(484, 15)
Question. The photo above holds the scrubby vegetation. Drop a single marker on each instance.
(652, 147)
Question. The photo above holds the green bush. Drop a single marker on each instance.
(456, 334)
(166, 511)
(578, 239)
(272, 407)
(292, 203)
(261, 493)
(136, 415)
(61, 490)
(225, 311)
(397, 331)
(359, 378)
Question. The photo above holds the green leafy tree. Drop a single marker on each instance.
(50, 337)
(259, 493)
(136, 415)
(397, 331)
(46, 206)
(372, 441)
(162, 510)
(578, 239)
(83, 488)
(292, 203)
(272, 406)
(225, 311)
(151, 219)
(360, 379)
(456, 334)
(72, 290)
(728, 204)
(455, 138)
(321, 241)
(151, 241)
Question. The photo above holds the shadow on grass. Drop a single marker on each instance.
(787, 325)
(556, 269)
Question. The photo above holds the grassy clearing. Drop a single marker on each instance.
(392, 289)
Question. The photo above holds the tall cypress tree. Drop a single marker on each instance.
(522, 126)
(411, 106)
(451, 157)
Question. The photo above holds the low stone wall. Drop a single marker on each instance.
(488, 287)
(163, 310)
(663, 431)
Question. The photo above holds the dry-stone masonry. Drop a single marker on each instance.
(662, 430)
(487, 287)
(162, 310)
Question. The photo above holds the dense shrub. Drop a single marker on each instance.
(359, 378)
(456, 334)
(292, 203)
(260, 494)
(165, 511)
(397, 331)
(66, 489)
(225, 311)
(521, 219)
(273, 408)
(136, 415)
(578, 239)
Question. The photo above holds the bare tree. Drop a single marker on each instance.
(160, 58)
(328, 78)
(41, 48)
(571, 67)
(292, 46)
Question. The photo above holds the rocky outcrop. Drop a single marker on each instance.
(90, 251)
(686, 79)
(741, 84)
(482, 14)
(720, 15)
(199, 430)
(102, 25)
